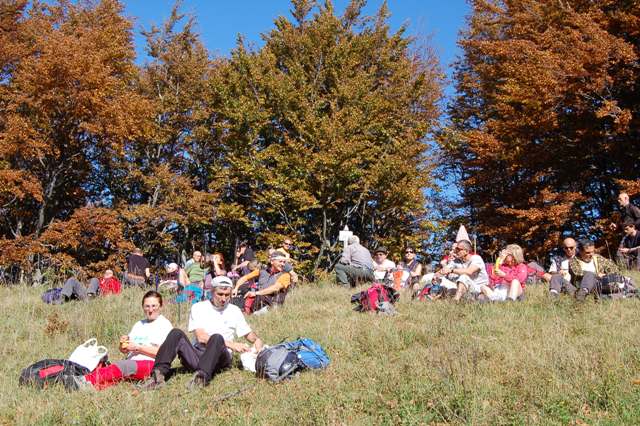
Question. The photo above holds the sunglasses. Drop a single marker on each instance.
(409, 251)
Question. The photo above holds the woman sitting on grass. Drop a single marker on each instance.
(409, 270)
(140, 347)
(508, 276)
(215, 265)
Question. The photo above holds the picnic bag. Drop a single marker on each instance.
(89, 354)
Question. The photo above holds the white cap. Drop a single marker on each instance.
(221, 281)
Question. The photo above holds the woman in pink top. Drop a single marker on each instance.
(508, 276)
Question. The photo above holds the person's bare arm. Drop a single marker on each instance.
(183, 278)
(251, 275)
(469, 270)
(148, 350)
(282, 282)
(418, 271)
(253, 338)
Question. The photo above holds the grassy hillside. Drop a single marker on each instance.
(531, 362)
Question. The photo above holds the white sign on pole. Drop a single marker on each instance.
(344, 235)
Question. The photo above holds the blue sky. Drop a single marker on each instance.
(220, 21)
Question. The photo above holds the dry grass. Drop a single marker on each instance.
(532, 362)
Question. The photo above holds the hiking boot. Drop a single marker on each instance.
(75, 383)
(554, 295)
(581, 295)
(156, 381)
(198, 381)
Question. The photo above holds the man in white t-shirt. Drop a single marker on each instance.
(558, 276)
(215, 323)
(381, 265)
(472, 275)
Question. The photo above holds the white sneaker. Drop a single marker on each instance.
(262, 311)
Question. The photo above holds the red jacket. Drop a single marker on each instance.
(110, 286)
(518, 272)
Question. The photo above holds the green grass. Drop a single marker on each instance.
(521, 363)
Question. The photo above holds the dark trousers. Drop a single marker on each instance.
(592, 283)
(560, 285)
(209, 359)
(352, 275)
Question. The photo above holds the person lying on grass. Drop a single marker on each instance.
(73, 289)
(140, 347)
(214, 324)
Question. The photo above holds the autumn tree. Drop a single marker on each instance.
(546, 117)
(161, 184)
(325, 128)
(67, 104)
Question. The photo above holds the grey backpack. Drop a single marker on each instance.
(277, 363)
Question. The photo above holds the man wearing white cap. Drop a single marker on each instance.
(273, 284)
(214, 323)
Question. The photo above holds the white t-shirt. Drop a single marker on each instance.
(380, 269)
(564, 267)
(229, 323)
(479, 277)
(149, 334)
(588, 267)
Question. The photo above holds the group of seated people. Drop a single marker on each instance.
(256, 289)
(217, 321)
(153, 343)
(464, 274)
(357, 266)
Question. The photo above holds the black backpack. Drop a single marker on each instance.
(49, 371)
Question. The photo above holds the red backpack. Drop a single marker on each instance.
(369, 299)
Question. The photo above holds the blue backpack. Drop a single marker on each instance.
(281, 361)
(309, 352)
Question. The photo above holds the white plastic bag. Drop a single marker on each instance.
(249, 358)
(88, 354)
